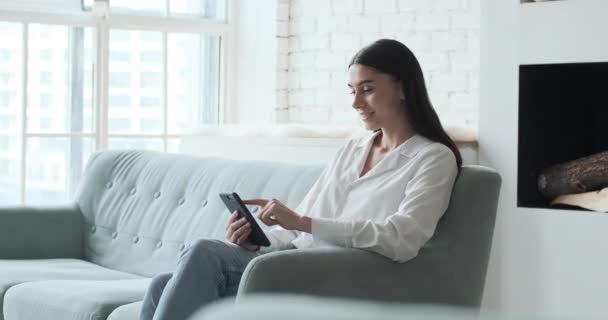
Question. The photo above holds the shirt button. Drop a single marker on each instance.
(254, 209)
(182, 247)
(114, 235)
(135, 239)
(204, 203)
(93, 229)
(156, 195)
(109, 185)
(181, 201)
(159, 244)
(133, 191)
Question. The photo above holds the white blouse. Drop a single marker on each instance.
(392, 210)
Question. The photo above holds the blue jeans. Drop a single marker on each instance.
(207, 271)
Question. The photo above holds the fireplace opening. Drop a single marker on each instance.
(563, 136)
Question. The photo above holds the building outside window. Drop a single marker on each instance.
(136, 74)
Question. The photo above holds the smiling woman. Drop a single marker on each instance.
(383, 191)
(389, 67)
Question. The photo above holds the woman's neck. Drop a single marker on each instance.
(389, 139)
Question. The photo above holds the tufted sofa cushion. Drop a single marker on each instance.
(141, 208)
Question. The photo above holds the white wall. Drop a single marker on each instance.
(255, 63)
(324, 34)
(545, 263)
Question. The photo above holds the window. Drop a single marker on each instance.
(209, 9)
(148, 101)
(4, 122)
(119, 101)
(119, 56)
(46, 100)
(120, 80)
(5, 99)
(62, 83)
(5, 79)
(46, 77)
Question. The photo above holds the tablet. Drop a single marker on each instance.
(233, 202)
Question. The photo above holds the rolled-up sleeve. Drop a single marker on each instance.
(401, 235)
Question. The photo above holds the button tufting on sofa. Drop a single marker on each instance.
(103, 263)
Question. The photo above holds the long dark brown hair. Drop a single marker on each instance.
(394, 58)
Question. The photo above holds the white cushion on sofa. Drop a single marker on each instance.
(14, 272)
(71, 299)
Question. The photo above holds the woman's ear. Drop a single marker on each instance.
(401, 91)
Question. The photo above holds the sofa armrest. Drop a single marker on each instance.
(40, 233)
(353, 273)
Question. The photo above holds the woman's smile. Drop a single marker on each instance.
(365, 115)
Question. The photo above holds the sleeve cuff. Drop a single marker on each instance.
(274, 243)
(332, 231)
(279, 238)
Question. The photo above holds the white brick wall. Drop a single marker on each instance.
(324, 34)
(283, 49)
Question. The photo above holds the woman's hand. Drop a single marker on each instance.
(274, 212)
(238, 230)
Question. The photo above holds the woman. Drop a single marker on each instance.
(404, 170)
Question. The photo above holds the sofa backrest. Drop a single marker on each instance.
(141, 208)
(460, 247)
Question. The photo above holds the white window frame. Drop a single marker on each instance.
(103, 22)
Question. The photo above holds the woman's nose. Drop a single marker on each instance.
(358, 101)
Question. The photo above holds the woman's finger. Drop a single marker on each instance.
(244, 236)
(237, 224)
(267, 218)
(238, 234)
(262, 215)
(257, 202)
(235, 231)
(232, 219)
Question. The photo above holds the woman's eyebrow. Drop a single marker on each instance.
(361, 83)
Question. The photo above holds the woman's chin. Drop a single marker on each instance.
(369, 125)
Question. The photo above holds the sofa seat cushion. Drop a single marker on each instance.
(71, 299)
(127, 312)
(13, 272)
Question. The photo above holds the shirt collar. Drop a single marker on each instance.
(408, 148)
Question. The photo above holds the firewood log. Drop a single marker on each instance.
(581, 175)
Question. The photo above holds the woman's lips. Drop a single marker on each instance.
(366, 115)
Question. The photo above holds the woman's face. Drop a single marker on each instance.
(377, 97)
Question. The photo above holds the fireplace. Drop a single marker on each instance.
(563, 136)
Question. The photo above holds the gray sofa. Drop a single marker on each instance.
(303, 307)
(136, 210)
